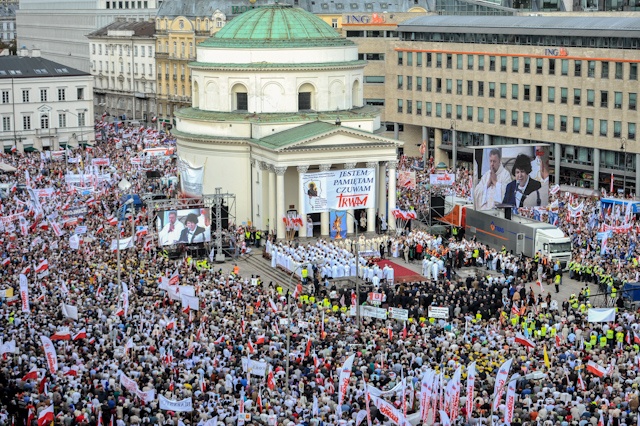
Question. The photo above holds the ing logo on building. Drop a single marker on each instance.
(556, 51)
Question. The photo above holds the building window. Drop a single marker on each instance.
(633, 71)
(552, 67)
(492, 116)
(429, 84)
(515, 64)
(503, 90)
(576, 124)
(617, 100)
(492, 89)
(538, 93)
(539, 65)
(617, 129)
(429, 60)
(44, 121)
(527, 92)
(631, 131)
(481, 88)
(26, 122)
(503, 116)
(563, 123)
(6, 124)
(469, 113)
(589, 129)
(458, 87)
(591, 69)
(604, 99)
(604, 70)
(469, 87)
(419, 84)
(438, 85)
(591, 97)
(514, 91)
(470, 62)
(400, 105)
(459, 112)
(409, 59)
(577, 68)
(526, 117)
(374, 79)
(604, 125)
(400, 82)
(538, 120)
(492, 63)
(80, 93)
(481, 63)
(564, 67)
(527, 65)
(551, 122)
(5, 96)
(619, 66)
(448, 111)
(449, 61)
(503, 64)
(428, 109)
(81, 119)
(633, 98)
(514, 118)
(25, 96)
(400, 57)
(438, 60)
(409, 82)
(62, 120)
(418, 107)
(564, 94)
(438, 110)
(61, 95)
(409, 107)
(449, 85)
(459, 59)
(480, 114)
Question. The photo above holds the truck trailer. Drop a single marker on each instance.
(519, 235)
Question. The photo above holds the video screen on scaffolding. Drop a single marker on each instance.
(187, 226)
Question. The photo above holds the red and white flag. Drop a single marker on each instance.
(581, 382)
(171, 324)
(298, 291)
(46, 416)
(271, 383)
(61, 335)
(175, 278)
(6, 262)
(250, 347)
(42, 266)
(307, 349)
(50, 354)
(596, 369)
(219, 340)
(273, 306)
(525, 341)
(404, 331)
(82, 334)
(345, 374)
(31, 375)
(390, 333)
(73, 371)
(558, 343)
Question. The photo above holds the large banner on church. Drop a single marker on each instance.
(338, 190)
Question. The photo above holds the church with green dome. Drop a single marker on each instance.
(277, 94)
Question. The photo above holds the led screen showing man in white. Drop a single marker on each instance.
(189, 226)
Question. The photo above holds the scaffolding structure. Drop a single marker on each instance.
(221, 236)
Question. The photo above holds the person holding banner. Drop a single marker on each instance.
(491, 188)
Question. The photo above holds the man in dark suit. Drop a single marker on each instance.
(192, 233)
(523, 191)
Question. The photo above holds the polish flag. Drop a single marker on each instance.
(171, 324)
(73, 371)
(601, 420)
(175, 278)
(100, 229)
(581, 382)
(404, 331)
(298, 291)
(242, 324)
(61, 335)
(82, 334)
(42, 266)
(307, 350)
(26, 270)
(390, 333)
(120, 312)
(557, 341)
(199, 333)
(259, 403)
(250, 347)
(44, 226)
(260, 340)
(6, 262)
(31, 375)
(46, 416)
(273, 306)
(636, 338)
(271, 383)
(525, 341)
(219, 340)
(596, 369)
(111, 220)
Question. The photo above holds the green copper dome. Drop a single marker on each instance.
(276, 26)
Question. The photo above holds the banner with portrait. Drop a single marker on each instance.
(514, 175)
(338, 190)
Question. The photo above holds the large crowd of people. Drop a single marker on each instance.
(189, 342)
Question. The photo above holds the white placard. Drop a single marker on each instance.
(191, 178)
(602, 315)
(446, 179)
(338, 190)
(373, 312)
(256, 368)
(438, 312)
(399, 314)
(171, 405)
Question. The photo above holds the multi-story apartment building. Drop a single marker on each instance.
(8, 22)
(43, 104)
(123, 64)
(59, 28)
(570, 81)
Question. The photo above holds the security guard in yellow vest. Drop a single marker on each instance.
(543, 330)
(603, 341)
(619, 339)
(305, 275)
(304, 299)
(312, 300)
(610, 336)
(593, 339)
(258, 238)
(279, 289)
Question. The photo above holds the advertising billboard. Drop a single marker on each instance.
(515, 175)
(338, 190)
(188, 226)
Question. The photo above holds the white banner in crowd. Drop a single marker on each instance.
(124, 243)
(602, 315)
(338, 190)
(50, 354)
(446, 179)
(256, 368)
(190, 302)
(177, 406)
(70, 311)
(24, 293)
(191, 178)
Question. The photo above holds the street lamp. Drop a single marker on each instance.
(454, 144)
(623, 148)
(536, 375)
(317, 262)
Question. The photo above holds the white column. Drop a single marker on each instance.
(382, 189)
(324, 217)
(351, 215)
(272, 197)
(280, 211)
(371, 211)
(596, 168)
(557, 159)
(487, 139)
(302, 232)
(391, 165)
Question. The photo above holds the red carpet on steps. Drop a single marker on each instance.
(400, 273)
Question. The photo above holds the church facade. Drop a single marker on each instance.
(277, 94)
